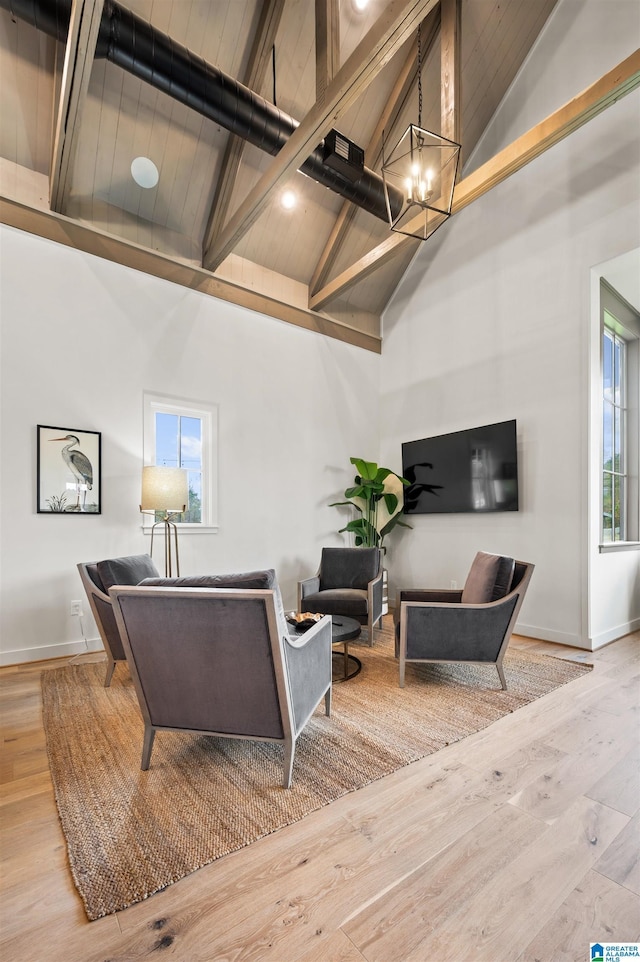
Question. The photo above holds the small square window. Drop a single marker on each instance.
(183, 434)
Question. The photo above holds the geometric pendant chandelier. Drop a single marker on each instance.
(423, 167)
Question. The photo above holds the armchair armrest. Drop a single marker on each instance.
(309, 586)
(375, 592)
(441, 595)
(308, 660)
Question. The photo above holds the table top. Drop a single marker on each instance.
(344, 628)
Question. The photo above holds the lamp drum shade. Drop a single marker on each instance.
(164, 489)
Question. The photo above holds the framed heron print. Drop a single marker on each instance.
(69, 471)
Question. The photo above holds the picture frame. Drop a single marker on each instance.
(69, 471)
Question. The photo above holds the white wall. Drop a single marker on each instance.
(492, 322)
(81, 339)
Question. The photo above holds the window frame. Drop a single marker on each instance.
(622, 322)
(207, 413)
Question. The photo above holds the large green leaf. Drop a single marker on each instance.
(392, 523)
(366, 469)
(351, 504)
(391, 502)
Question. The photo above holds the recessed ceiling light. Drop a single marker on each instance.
(288, 200)
(144, 172)
(360, 5)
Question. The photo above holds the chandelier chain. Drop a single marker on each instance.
(419, 77)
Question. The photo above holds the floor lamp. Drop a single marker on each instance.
(167, 490)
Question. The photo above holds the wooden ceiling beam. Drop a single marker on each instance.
(450, 83)
(395, 24)
(327, 45)
(71, 233)
(395, 102)
(606, 91)
(259, 60)
(80, 49)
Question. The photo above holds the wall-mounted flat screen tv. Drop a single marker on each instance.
(467, 471)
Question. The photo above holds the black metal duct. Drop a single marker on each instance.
(151, 55)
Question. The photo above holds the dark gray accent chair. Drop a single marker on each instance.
(221, 661)
(472, 625)
(348, 582)
(97, 577)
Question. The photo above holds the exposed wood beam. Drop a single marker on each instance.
(327, 45)
(259, 60)
(70, 233)
(403, 85)
(78, 61)
(450, 32)
(397, 22)
(606, 91)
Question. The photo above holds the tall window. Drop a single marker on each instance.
(620, 403)
(183, 434)
(614, 418)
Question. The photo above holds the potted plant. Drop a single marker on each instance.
(375, 495)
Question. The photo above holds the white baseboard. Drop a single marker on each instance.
(544, 634)
(66, 649)
(614, 633)
(574, 641)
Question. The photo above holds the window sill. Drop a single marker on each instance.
(186, 529)
(619, 546)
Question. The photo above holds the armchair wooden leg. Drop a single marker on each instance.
(327, 702)
(110, 669)
(289, 752)
(402, 666)
(147, 746)
(503, 680)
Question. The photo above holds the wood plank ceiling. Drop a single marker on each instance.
(70, 131)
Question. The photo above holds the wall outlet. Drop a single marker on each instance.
(76, 609)
(454, 585)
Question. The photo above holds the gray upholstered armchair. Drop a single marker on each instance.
(221, 661)
(97, 577)
(472, 625)
(348, 582)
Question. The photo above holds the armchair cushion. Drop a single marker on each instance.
(130, 570)
(247, 579)
(351, 602)
(489, 579)
(348, 568)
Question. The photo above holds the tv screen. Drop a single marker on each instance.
(466, 471)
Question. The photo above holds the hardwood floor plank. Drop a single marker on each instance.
(509, 912)
(619, 787)
(621, 861)
(599, 746)
(399, 920)
(337, 948)
(533, 722)
(597, 910)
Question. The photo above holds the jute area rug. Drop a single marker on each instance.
(131, 833)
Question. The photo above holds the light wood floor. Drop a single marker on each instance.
(519, 844)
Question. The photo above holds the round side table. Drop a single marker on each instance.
(344, 630)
